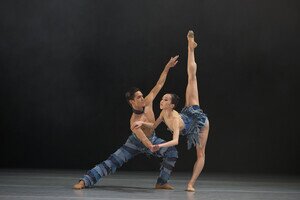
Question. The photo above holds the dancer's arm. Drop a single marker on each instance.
(138, 124)
(161, 81)
(142, 137)
(175, 139)
(155, 124)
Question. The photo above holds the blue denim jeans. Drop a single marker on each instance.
(130, 149)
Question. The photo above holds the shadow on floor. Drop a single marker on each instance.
(126, 189)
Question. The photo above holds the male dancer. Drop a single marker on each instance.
(141, 141)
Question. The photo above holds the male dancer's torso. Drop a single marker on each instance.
(147, 116)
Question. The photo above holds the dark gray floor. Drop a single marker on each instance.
(47, 185)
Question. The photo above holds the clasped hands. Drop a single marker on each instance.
(154, 148)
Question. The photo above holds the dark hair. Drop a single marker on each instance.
(129, 95)
(174, 99)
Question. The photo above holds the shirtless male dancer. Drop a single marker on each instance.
(142, 139)
(190, 122)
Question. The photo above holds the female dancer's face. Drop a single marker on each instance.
(165, 102)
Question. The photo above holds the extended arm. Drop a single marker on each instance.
(153, 125)
(142, 137)
(175, 139)
(161, 81)
(138, 124)
(172, 142)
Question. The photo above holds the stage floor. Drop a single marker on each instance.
(57, 184)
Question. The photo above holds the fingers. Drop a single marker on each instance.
(135, 125)
(155, 148)
(151, 148)
(174, 58)
(173, 61)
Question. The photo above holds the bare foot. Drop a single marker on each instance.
(190, 188)
(78, 186)
(191, 40)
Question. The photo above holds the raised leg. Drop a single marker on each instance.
(191, 95)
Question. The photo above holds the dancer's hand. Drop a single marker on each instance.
(173, 61)
(156, 148)
(137, 124)
(151, 148)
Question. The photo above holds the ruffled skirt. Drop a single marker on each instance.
(194, 119)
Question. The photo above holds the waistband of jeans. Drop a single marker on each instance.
(150, 137)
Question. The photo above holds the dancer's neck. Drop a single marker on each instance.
(168, 112)
(138, 111)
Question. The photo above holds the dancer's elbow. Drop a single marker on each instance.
(175, 142)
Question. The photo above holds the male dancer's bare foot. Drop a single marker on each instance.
(191, 40)
(78, 186)
(190, 188)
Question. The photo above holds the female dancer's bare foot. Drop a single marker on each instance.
(191, 39)
(190, 188)
(78, 186)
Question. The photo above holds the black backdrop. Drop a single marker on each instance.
(66, 64)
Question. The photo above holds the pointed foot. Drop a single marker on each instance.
(191, 40)
(190, 189)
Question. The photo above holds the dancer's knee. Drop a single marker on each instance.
(192, 78)
(192, 64)
(201, 154)
(206, 126)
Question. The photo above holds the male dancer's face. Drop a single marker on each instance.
(138, 101)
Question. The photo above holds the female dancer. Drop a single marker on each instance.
(191, 122)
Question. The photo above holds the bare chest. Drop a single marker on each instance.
(169, 122)
(174, 121)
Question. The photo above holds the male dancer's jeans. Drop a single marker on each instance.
(130, 149)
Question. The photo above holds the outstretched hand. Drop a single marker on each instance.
(173, 61)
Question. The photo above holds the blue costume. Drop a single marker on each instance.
(130, 149)
(194, 119)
